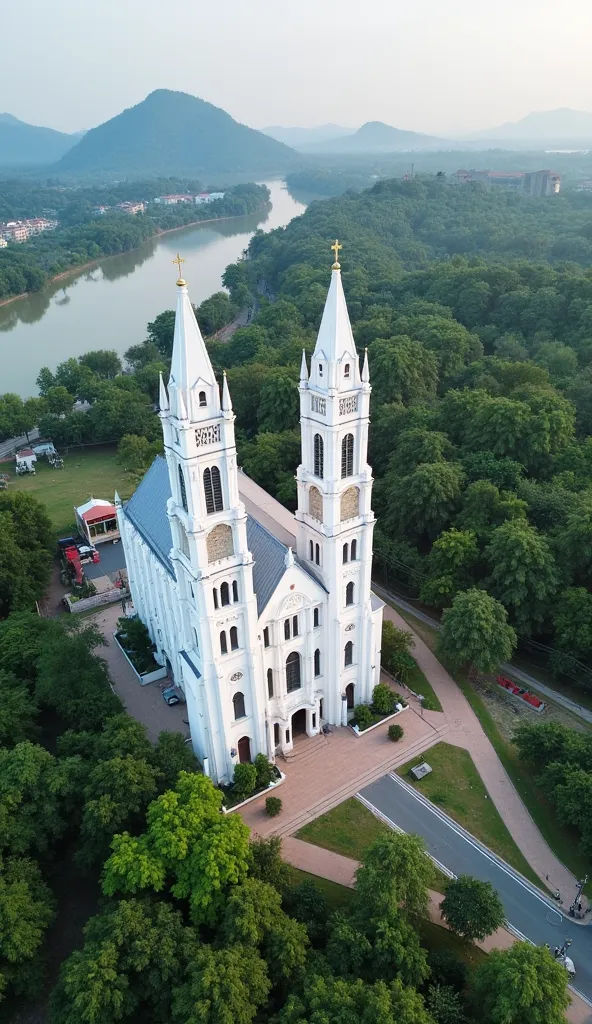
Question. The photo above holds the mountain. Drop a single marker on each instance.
(297, 137)
(22, 143)
(562, 125)
(377, 137)
(173, 133)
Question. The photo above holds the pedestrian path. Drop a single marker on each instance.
(465, 730)
(339, 869)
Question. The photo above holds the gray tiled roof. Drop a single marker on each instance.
(146, 509)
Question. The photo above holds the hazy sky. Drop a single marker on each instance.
(430, 65)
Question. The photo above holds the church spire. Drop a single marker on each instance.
(226, 400)
(191, 369)
(303, 369)
(335, 345)
(365, 368)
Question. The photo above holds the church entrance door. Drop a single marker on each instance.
(244, 749)
(299, 723)
(349, 692)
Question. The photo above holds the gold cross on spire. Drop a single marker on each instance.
(336, 247)
(179, 260)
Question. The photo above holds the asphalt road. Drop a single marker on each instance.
(527, 909)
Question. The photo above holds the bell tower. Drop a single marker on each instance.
(212, 562)
(334, 514)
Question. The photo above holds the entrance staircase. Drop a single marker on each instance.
(390, 761)
(305, 748)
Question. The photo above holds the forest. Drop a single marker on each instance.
(82, 236)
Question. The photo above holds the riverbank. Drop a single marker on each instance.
(157, 234)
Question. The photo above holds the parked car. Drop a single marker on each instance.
(170, 696)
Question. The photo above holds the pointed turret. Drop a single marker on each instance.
(303, 369)
(335, 360)
(163, 398)
(192, 377)
(226, 400)
(289, 558)
(365, 368)
(118, 501)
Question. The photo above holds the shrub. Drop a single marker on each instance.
(383, 699)
(244, 779)
(447, 970)
(364, 717)
(135, 639)
(395, 732)
(273, 806)
(265, 771)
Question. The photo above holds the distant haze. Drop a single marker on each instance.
(442, 69)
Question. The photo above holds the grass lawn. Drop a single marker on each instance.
(455, 785)
(93, 472)
(347, 829)
(338, 896)
(418, 682)
(435, 939)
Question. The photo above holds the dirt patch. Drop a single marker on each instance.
(509, 711)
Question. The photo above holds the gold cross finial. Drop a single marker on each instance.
(179, 260)
(336, 247)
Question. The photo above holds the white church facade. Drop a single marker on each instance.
(265, 619)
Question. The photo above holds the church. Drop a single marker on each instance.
(265, 619)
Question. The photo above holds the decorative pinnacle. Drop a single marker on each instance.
(365, 368)
(336, 247)
(179, 260)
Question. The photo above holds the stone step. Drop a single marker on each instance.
(305, 747)
(349, 789)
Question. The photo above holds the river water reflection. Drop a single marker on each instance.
(109, 305)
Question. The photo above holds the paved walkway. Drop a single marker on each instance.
(337, 868)
(466, 731)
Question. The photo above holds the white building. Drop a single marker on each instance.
(265, 620)
(208, 197)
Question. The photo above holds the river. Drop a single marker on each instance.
(109, 304)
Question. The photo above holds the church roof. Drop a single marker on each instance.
(335, 338)
(146, 510)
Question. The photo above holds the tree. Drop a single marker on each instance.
(425, 500)
(215, 312)
(396, 648)
(560, 360)
(18, 711)
(26, 910)
(402, 370)
(187, 840)
(105, 363)
(225, 986)
(244, 780)
(395, 872)
(33, 787)
(328, 1000)
(418, 445)
(445, 1005)
(59, 400)
(140, 355)
(475, 631)
(472, 908)
(26, 544)
(75, 681)
(484, 507)
(172, 755)
(135, 953)
(572, 621)
(451, 566)
(523, 984)
(266, 863)
(161, 331)
(524, 576)
(117, 793)
(136, 454)
(278, 409)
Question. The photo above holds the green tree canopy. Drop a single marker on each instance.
(475, 631)
(524, 575)
(523, 983)
(472, 908)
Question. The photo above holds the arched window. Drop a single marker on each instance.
(349, 654)
(184, 541)
(266, 637)
(319, 458)
(233, 638)
(317, 662)
(269, 682)
(238, 702)
(215, 593)
(354, 550)
(346, 370)
(350, 503)
(182, 491)
(347, 455)
(213, 490)
(234, 591)
(202, 399)
(315, 617)
(293, 672)
(223, 644)
(224, 594)
(320, 369)
(311, 551)
(286, 629)
(345, 552)
(349, 594)
(317, 554)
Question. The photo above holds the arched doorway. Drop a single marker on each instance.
(321, 709)
(349, 693)
(299, 723)
(244, 749)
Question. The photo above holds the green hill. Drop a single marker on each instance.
(22, 143)
(175, 133)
